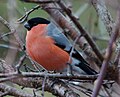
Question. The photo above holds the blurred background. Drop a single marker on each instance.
(12, 10)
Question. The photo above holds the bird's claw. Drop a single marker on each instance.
(69, 69)
(17, 67)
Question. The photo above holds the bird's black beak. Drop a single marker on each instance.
(27, 26)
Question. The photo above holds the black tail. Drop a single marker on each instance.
(83, 64)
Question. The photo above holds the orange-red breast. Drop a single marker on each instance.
(49, 47)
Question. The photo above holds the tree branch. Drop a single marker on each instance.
(14, 92)
(108, 56)
(39, 1)
(104, 14)
(42, 74)
(82, 30)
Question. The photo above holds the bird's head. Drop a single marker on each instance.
(35, 21)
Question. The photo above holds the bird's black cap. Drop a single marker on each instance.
(35, 21)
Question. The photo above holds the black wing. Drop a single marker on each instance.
(63, 42)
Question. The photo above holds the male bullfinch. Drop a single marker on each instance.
(49, 47)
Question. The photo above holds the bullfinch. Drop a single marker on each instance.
(49, 47)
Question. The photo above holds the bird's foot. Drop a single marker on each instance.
(69, 70)
(43, 83)
(17, 67)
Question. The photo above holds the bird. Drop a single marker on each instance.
(49, 47)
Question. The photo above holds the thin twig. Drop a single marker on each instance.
(117, 58)
(43, 84)
(12, 31)
(21, 60)
(82, 30)
(24, 17)
(39, 1)
(27, 68)
(107, 92)
(9, 47)
(69, 68)
(81, 90)
(42, 74)
(14, 92)
(6, 34)
(4, 94)
(8, 78)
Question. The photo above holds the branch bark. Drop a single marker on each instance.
(108, 56)
(35, 80)
(42, 74)
(104, 14)
(14, 92)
